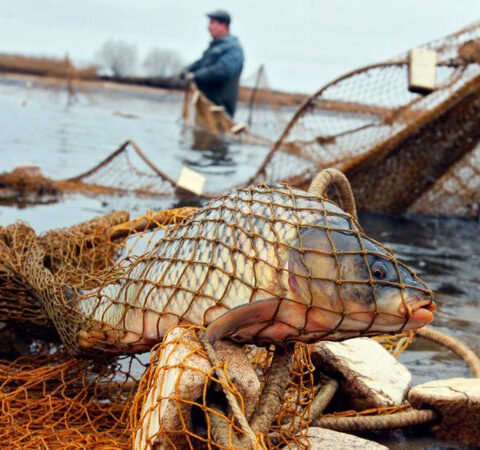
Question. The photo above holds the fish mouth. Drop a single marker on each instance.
(419, 311)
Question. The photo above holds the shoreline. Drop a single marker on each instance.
(262, 96)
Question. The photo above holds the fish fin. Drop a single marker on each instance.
(259, 312)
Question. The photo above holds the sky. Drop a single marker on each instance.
(303, 43)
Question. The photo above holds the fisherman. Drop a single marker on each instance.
(217, 72)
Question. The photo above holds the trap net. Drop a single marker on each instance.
(401, 150)
(125, 171)
(82, 305)
(260, 117)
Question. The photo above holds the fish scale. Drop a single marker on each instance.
(274, 262)
(229, 253)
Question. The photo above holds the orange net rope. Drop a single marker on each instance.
(82, 307)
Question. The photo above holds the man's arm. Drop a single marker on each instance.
(227, 66)
(195, 65)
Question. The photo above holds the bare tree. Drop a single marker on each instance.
(117, 57)
(162, 63)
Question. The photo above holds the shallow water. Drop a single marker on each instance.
(39, 126)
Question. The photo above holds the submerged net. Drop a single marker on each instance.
(125, 171)
(108, 290)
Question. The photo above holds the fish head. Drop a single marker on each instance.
(353, 286)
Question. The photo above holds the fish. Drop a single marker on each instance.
(260, 265)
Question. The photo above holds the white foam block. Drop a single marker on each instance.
(239, 127)
(422, 70)
(191, 181)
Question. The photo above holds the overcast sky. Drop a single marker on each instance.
(303, 43)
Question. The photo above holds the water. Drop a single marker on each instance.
(38, 126)
(302, 44)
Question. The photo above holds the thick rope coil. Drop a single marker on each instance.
(269, 403)
(470, 358)
(220, 431)
(372, 423)
(232, 400)
(277, 378)
(325, 178)
(323, 398)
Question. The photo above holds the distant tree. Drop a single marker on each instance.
(162, 63)
(117, 57)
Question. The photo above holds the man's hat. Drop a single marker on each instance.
(220, 15)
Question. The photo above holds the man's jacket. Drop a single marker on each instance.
(217, 73)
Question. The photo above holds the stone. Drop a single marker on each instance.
(457, 401)
(324, 439)
(179, 380)
(369, 375)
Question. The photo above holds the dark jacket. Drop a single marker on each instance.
(217, 72)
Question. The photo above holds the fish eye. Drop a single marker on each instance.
(379, 270)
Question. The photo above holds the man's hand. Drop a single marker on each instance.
(187, 76)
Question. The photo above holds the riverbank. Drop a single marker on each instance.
(54, 71)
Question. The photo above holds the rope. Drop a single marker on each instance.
(317, 406)
(326, 178)
(323, 398)
(269, 403)
(220, 430)
(150, 221)
(407, 418)
(372, 423)
(232, 400)
(470, 358)
(273, 392)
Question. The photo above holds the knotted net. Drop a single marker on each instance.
(107, 290)
(400, 150)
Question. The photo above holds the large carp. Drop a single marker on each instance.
(260, 265)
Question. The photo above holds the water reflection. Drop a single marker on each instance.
(213, 150)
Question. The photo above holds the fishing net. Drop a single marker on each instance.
(27, 185)
(81, 305)
(255, 123)
(127, 170)
(400, 150)
(260, 117)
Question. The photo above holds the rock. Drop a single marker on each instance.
(179, 380)
(324, 439)
(369, 375)
(457, 400)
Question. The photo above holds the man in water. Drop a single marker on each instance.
(217, 72)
